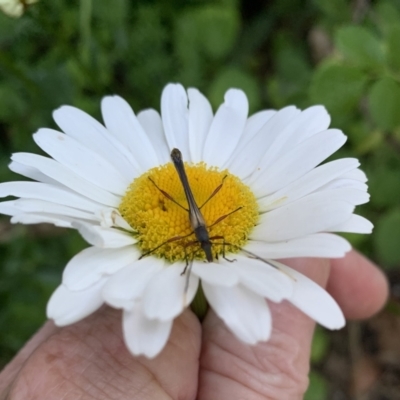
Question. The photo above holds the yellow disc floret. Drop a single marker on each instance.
(156, 219)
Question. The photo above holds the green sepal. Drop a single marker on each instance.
(199, 304)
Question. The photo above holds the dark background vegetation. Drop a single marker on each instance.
(343, 54)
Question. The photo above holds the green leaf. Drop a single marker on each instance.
(384, 103)
(187, 49)
(11, 104)
(386, 237)
(371, 143)
(384, 186)
(293, 73)
(235, 78)
(393, 47)
(318, 387)
(387, 14)
(393, 307)
(362, 138)
(219, 28)
(320, 345)
(355, 239)
(115, 19)
(7, 26)
(334, 9)
(360, 47)
(338, 87)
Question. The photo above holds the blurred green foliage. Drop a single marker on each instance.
(318, 387)
(341, 54)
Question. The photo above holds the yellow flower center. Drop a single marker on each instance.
(156, 219)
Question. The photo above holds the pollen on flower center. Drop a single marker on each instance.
(156, 218)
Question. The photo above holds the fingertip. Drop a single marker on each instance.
(358, 285)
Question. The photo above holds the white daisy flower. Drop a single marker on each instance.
(266, 198)
(15, 8)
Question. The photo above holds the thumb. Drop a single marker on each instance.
(277, 369)
(89, 360)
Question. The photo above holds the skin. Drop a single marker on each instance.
(88, 360)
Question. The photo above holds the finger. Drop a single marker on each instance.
(8, 374)
(277, 369)
(89, 360)
(359, 287)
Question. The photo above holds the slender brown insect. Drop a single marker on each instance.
(197, 221)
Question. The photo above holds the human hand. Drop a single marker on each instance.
(89, 360)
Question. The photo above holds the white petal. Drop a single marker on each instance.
(127, 285)
(9, 208)
(245, 313)
(91, 264)
(81, 160)
(121, 121)
(110, 217)
(341, 182)
(226, 128)
(200, 118)
(165, 297)
(254, 123)
(216, 273)
(32, 173)
(45, 207)
(353, 196)
(311, 181)
(143, 336)
(314, 301)
(151, 122)
(297, 162)
(311, 214)
(51, 193)
(248, 155)
(28, 219)
(313, 120)
(357, 175)
(66, 177)
(324, 245)
(174, 112)
(277, 123)
(303, 125)
(119, 222)
(263, 279)
(103, 237)
(66, 307)
(86, 130)
(356, 224)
